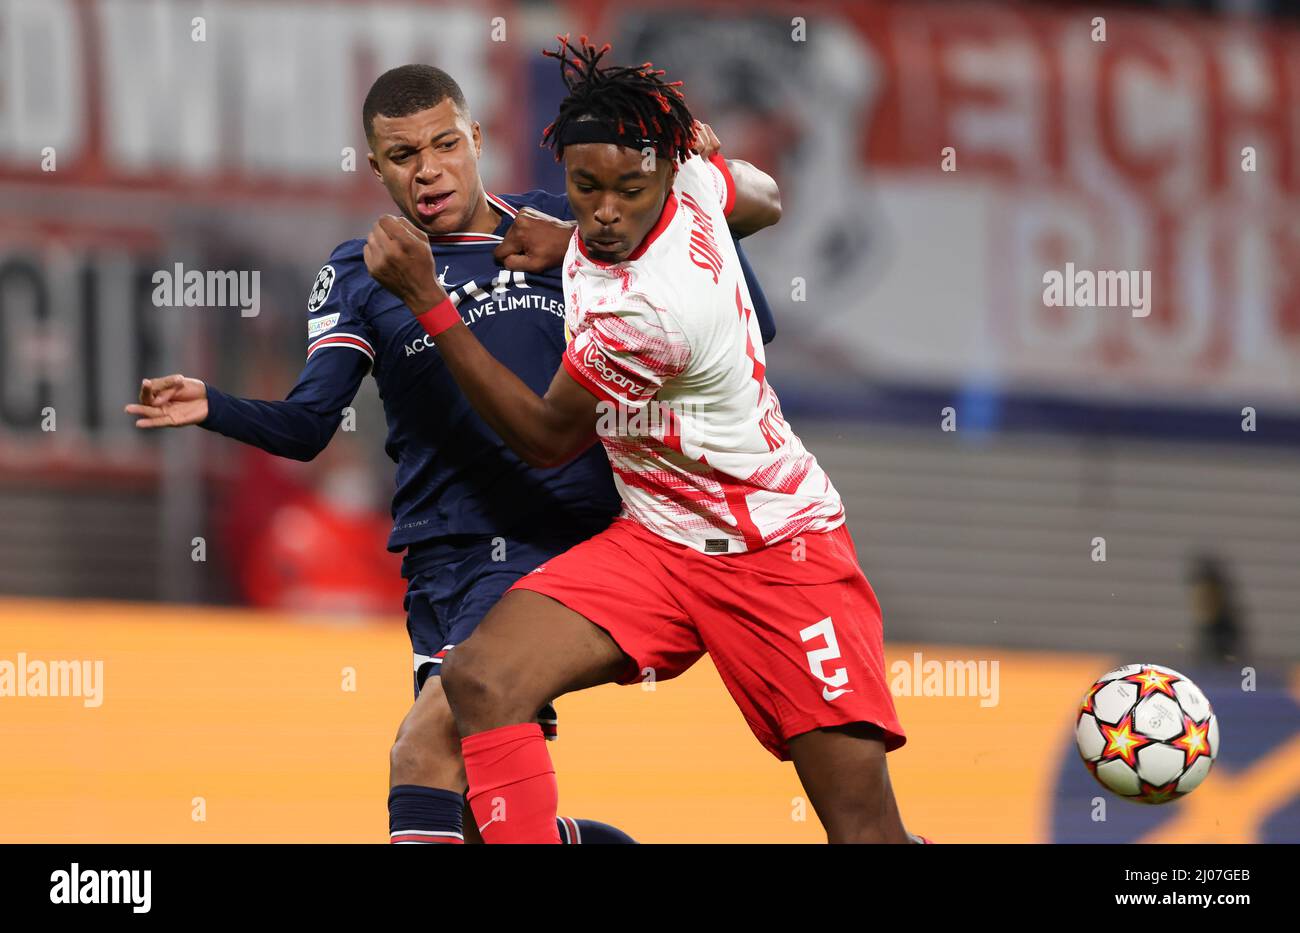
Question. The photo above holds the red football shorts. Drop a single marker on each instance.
(794, 629)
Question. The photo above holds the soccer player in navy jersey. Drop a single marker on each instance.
(732, 540)
(471, 516)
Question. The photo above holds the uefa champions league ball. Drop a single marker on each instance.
(1147, 733)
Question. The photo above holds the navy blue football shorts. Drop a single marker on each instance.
(454, 581)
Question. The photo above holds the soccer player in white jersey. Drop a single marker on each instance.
(731, 540)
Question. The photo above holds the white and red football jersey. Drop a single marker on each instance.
(667, 340)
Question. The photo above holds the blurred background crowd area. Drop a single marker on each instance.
(1115, 488)
(901, 291)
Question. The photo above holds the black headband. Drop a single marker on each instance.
(597, 131)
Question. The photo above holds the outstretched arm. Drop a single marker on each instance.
(758, 200)
(298, 428)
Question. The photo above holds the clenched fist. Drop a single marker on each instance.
(706, 142)
(399, 258)
(535, 241)
(170, 402)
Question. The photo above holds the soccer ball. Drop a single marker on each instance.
(1147, 733)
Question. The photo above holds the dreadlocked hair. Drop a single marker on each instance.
(627, 98)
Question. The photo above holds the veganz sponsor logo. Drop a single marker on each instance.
(592, 358)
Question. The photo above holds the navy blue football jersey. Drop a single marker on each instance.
(455, 476)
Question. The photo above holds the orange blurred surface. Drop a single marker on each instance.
(249, 712)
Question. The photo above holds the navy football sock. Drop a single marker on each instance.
(590, 832)
(424, 815)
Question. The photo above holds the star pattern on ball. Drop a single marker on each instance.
(1195, 740)
(1086, 706)
(1150, 680)
(1150, 793)
(1121, 742)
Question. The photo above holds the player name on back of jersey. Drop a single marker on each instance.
(669, 341)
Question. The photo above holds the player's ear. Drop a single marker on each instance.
(374, 165)
(478, 139)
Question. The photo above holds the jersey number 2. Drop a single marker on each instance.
(818, 656)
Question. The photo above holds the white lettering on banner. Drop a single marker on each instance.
(1118, 156)
(247, 124)
(273, 92)
(43, 80)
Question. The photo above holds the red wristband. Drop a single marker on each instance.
(721, 164)
(438, 318)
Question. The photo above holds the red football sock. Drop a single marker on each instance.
(512, 788)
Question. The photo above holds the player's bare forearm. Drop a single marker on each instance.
(536, 242)
(758, 199)
(545, 431)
